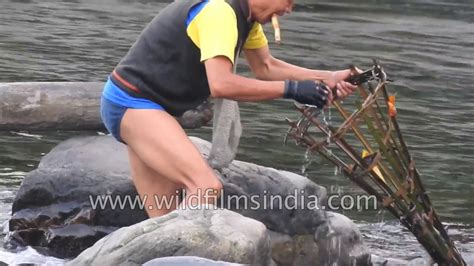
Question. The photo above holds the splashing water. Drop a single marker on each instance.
(336, 245)
(336, 189)
(306, 162)
(329, 116)
(29, 256)
(323, 113)
(328, 139)
(381, 220)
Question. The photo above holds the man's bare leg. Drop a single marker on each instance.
(153, 188)
(159, 142)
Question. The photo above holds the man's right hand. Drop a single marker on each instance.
(336, 80)
(307, 92)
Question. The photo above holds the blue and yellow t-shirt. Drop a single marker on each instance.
(164, 66)
(212, 26)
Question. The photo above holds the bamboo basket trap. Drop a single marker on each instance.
(367, 145)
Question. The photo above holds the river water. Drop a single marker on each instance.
(426, 46)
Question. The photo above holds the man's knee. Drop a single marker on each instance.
(211, 185)
(216, 186)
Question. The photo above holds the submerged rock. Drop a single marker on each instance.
(67, 105)
(213, 234)
(59, 196)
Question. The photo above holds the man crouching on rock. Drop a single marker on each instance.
(183, 56)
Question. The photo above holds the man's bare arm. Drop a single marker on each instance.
(224, 83)
(267, 67)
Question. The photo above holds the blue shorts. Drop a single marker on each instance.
(115, 102)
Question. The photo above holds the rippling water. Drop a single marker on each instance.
(427, 46)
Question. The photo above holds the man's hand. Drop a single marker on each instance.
(307, 92)
(336, 80)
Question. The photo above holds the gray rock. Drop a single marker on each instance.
(425, 261)
(468, 258)
(198, 117)
(66, 105)
(57, 195)
(43, 105)
(188, 260)
(270, 188)
(336, 242)
(340, 242)
(379, 261)
(74, 172)
(213, 234)
(301, 235)
(226, 133)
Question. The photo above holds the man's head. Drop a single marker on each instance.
(263, 10)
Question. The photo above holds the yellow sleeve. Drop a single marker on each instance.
(256, 38)
(214, 30)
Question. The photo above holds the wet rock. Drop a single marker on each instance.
(213, 234)
(188, 260)
(66, 105)
(425, 261)
(301, 232)
(336, 242)
(283, 201)
(198, 117)
(420, 262)
(58, 194)
(340, 242)
(379, 261)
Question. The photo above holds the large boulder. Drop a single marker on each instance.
(67, 105)
(212, 234)
(285, 202)
(56, 200)
(59, 195)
